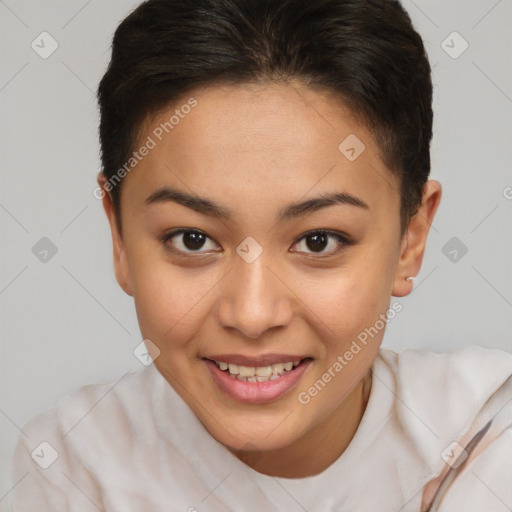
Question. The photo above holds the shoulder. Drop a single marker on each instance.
(440, 395)
(58, 445)
(474, 358)
(109, 405)
(462, 379)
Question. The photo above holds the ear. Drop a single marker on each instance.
(121, 267)
(415, 239)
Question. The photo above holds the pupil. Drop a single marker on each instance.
(319, 242)
(193, 240)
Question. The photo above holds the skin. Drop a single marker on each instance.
(254, 149)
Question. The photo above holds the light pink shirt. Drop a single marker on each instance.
(133, 445)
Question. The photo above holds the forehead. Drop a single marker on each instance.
(284, 119)
(271, 142)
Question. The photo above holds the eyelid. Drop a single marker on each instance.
(325, 231)
(342, 238)
(178, 231)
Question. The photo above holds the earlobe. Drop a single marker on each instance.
(414, 241)
(122, 271)
(403, 283)
(121, 266)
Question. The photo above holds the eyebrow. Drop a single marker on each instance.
(213, 209)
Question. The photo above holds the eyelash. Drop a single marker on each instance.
(342, 239)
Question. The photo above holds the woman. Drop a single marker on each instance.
(265, 178)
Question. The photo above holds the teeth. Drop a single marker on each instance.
(246, 371)
(258, 373)
(264, 371)
(277, 368)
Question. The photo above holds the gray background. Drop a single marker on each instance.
(65, 322)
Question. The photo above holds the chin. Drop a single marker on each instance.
(247, 436)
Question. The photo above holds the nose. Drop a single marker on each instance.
(255, 299)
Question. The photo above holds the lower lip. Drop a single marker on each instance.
(257, 392)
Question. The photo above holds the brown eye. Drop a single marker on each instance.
(318, 241)
(186, 241)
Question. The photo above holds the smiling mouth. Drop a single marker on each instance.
(259, 373)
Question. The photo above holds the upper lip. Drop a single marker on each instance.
(262, 360)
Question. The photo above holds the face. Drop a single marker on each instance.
(233, 254)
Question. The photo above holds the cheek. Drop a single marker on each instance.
(167, 298)
(347, 302)
(350, 305)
